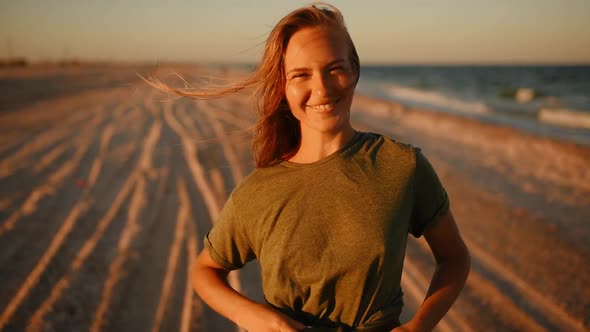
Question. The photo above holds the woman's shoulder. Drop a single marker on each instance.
(397, 152)
(386, 146)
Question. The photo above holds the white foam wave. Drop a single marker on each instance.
(565, 117)
(435, 99)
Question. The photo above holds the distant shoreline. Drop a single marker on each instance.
(49, 80)
(21, 61)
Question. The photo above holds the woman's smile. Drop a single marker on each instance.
(325, 107)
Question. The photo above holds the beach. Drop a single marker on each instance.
(107, 188)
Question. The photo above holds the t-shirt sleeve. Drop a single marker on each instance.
(430, 197)
(227, 242)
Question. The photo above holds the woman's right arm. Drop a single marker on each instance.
(209, 280)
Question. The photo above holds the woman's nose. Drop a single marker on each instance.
(321, 85)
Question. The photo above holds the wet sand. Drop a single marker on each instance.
(107, 188)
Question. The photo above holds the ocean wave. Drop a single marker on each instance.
(521, 95)
(435, 99)
(565, 117)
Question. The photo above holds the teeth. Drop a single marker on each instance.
(320, 108)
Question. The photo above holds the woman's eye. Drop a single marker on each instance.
(336, 69)
(300, 75)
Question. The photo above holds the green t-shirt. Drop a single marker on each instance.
(330, 236)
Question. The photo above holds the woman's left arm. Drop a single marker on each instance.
(452, 268)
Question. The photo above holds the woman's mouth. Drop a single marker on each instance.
(325, 107)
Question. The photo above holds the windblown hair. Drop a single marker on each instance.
(277, 134)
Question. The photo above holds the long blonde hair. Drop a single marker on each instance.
(277, 134)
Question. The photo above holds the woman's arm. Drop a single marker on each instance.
(452, 268)
(210, 281)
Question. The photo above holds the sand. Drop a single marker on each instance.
(107, 188)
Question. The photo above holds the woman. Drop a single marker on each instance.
(328, 209)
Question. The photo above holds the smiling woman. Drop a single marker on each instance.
(319, 89)
(328, 210)
(274, 114)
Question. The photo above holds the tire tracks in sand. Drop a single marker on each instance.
(58, 240)
(198, 174)
(182, 215)
(131, 228)
(190, 304)
(56, 179)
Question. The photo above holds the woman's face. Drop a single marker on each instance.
(320, 81)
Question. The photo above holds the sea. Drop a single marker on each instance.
(551, 101)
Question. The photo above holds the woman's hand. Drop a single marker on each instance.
(210, 282)
(264, 318)
(452, 267)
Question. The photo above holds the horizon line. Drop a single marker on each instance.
(24, 61)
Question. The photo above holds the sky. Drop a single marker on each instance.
(385, 32)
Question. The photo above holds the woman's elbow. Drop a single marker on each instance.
(461, 262)
(466, 262)
(197, 275)
(204, 271)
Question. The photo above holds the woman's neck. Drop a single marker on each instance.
(316, 146)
